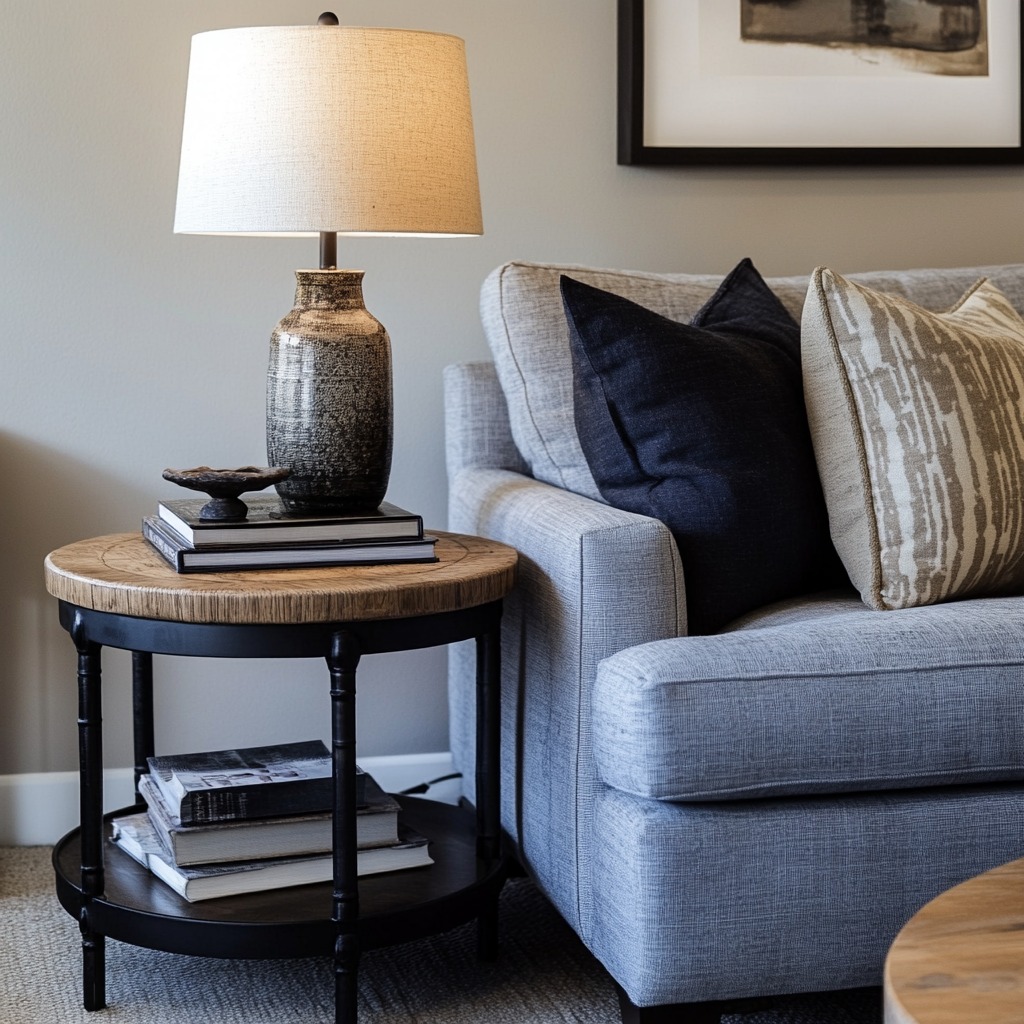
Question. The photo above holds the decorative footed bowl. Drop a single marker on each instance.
(224, 487)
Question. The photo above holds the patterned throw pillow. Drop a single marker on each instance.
(917, 421)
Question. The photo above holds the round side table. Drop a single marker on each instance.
(115, 591)
(961, 956)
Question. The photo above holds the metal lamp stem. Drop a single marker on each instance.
(328, 239)
(328, 250)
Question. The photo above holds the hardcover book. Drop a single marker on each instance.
(134, 834)
(255, 782)
(183, 557)
(262, 838)
(268, 521)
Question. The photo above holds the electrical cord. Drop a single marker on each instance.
(424, 786)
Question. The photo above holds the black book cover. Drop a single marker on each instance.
(255, 782)
(268, 516)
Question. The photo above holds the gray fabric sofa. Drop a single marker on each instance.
(745, 814)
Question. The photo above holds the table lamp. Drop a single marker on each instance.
(326, 130)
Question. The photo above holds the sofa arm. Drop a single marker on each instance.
(615, 576)
(591, 580)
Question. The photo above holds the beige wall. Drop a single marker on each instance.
(127, 349)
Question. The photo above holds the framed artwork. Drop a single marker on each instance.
(820, 82)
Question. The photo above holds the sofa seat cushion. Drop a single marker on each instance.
(818, 695)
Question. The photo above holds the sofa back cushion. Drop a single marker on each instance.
(523, 318)
(525, 326)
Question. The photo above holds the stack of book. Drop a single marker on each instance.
(227, 822)
(272, 537)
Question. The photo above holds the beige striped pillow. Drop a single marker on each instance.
(917, 420)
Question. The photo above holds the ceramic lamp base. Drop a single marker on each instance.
(329, 405)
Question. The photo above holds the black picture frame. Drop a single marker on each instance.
(633, 149)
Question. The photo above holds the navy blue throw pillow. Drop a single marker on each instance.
(703, 426)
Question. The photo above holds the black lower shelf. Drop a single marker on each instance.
(397, 907)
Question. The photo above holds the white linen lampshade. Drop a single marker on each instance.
(301, 129)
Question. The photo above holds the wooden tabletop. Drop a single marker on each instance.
(121, 573)
(960, 959)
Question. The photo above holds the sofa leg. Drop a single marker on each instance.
(677, 1013)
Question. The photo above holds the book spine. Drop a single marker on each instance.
(315, 564)
(167, 551)
(236, 803)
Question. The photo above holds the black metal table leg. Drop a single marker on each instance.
(342, 661)
(90, 767)
(488, 741)
(142, 714)
(488, 774)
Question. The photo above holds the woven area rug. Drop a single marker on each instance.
(544, 975)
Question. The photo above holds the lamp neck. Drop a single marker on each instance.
(329, 289)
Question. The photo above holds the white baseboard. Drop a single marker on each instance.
(36, 809)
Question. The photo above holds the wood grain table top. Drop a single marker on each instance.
(122, 574)
(960, 959)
